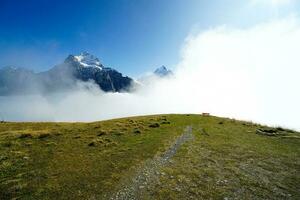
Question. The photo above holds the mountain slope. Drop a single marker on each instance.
(83, 67)
(17, 80)
(86, 67)
(225, 159)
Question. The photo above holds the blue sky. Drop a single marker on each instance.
(133, 36)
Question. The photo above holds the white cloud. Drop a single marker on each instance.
(248, 74)
(255, 69)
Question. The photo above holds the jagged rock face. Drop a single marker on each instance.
(90, 68)
(111, 80)
(83, 67)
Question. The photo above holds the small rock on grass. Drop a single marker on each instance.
(25, 135)
(101, 133)
(154, 125)
(92, 144)
(137, 131)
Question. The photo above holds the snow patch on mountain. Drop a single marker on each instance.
(88, 60)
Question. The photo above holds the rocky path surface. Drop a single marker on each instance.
(147, 174)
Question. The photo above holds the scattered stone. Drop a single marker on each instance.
(267, 132)
(92, 144)
(107, 140)
(284, 130)
(137, 131)
(97, 126)
(279, 129)
(154, 125)
(101, 133)
(43, 135)
(25, 135)
(2, 158)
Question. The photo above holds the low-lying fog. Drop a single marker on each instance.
(250, 74)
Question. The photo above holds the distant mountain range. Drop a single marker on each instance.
(83, 67)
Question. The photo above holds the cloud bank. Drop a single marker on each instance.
(249, 74)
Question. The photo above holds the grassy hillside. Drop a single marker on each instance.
(226, 159)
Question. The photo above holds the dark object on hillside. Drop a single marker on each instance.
(269, 132)
(2, 121)
(221, 123)
(166, 122)
(247, 124)
(205, 114)
(107, 140)
(92, 144)
(280, 129)
(118, 133)
(2, 158)
(102, 133)
(43, 135)
(155, 125)
(25, 135)
(284, 129)
(137, 131)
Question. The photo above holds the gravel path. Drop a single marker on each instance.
(133, 188)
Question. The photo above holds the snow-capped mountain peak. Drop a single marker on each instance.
(88, 60)
(163, 71)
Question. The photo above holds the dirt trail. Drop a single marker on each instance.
(150, 171)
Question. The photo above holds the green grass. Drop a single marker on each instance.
(88, 160)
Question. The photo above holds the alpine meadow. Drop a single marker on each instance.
(149, 99)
